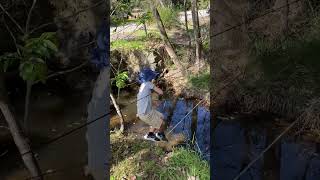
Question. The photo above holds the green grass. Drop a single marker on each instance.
(128, 45)
(138, 43)
(184, 163)
(169, 17)
(133, 157)
(200, 81)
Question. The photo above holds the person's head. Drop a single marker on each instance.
(147, 75)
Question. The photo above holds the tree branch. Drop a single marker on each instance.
(29, 16)
(11, 34)
(4, 153)
(11, 18)
(65, 71)
(4, 127)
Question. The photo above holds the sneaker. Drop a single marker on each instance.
(151, 137)
(161, 136)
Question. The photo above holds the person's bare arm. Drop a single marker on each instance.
(158, 90)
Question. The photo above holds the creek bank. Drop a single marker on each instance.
(172, 80)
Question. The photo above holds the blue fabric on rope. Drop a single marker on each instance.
(100, 54)
(146, 74)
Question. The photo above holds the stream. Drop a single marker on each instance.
(236, 145)
(195, 122)
(51, 114)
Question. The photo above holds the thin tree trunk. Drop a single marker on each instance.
(118, 96)
(186, 20)
(196, 30)
(164, 36)
(161, 3)
(26, 107)
(114, 102)
(18, 137)
(145, 28)
(287, 16)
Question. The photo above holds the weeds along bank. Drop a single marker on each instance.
(132, 158)
(270, 69)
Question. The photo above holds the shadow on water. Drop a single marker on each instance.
(194, 124)
(236, 144)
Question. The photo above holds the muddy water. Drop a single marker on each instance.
(50, 116)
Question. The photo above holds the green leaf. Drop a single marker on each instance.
(51, 45)
(8, 60)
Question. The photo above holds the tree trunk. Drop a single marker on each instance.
(164, 36)
(114, 102)
(161, 3)
(196, 30)
(118, 94)
(26, 107)
(186, 21)
(18, 137)
(145, 28)
(287, 17)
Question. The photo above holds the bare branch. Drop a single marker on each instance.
(11, 18)
(66, 71)
(41, 26)
(4, 127)
(29, 15)
(4, 153)
(11, 34)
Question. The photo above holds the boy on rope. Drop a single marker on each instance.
(145, 111)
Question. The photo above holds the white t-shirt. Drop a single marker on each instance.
(144, 104)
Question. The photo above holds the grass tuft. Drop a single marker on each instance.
(200, 81)
(132, 157)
